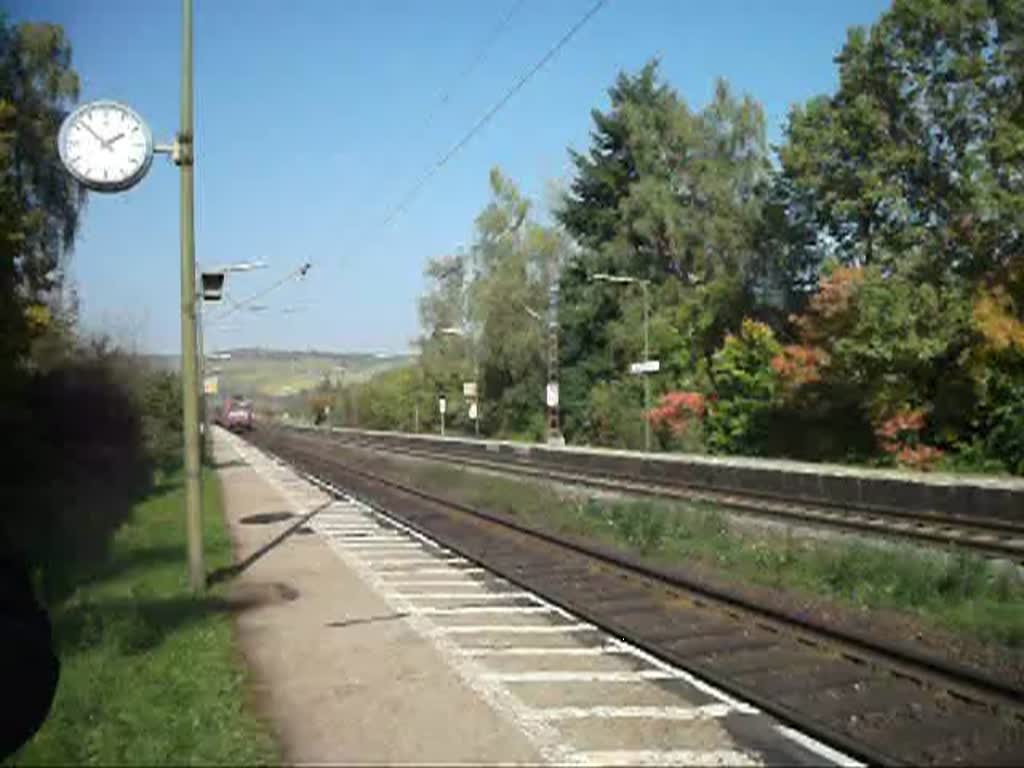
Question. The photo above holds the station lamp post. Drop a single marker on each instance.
(472, 392)
(648, 366)
(554, 433)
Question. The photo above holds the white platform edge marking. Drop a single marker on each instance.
(514, 629)
(435, 571)
(815, 746)
(365, 541)
(673, 757)
(705, 712)
(479, 595)
(597, 650)
(405, 584)
(469, 610)
(630, 676)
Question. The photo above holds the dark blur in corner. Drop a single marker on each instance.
(28, 665)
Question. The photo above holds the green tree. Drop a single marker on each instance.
(674, 196)
(482, 318)
(443, 309)
(39, 202)
(910, 170)
(515, 262)
(915, 155)
(746, 387)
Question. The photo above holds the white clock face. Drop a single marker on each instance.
(106, 146)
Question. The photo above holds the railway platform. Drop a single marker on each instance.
(370, 643)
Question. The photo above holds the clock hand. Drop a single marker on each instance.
(110, 141)
(90, 130)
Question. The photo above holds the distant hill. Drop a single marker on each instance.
(256, 372)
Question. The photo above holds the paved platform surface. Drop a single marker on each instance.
(384, 647)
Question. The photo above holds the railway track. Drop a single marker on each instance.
(877, 700)
(988, 537)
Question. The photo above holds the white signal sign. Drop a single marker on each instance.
(551, 397)
(647, 366)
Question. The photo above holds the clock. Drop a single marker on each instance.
(106, 146)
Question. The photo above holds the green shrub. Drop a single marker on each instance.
(161, 410)
(745, 391)
(1005, 439)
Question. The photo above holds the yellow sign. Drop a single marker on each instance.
(210, 385)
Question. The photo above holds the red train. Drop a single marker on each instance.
(234, 413)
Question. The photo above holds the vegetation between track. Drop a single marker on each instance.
(960, 592)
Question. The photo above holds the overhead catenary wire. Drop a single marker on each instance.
(243, 303)
(474, 62)
(489, 115)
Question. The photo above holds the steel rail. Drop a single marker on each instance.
(860, 519)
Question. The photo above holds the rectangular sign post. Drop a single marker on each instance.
(551, 395)
(210, 385)
(469, 391)
(647, 366)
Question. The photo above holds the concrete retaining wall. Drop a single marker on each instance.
(883, 490)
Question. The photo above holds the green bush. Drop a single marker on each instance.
(614, 415)
(161, 410)
(1005, 439)
(745, 391)
(98, 423)
(641, 525)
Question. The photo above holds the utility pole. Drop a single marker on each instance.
(189, 367)
(204, 421)
(554, 429)
(476, 383)
(549, 332)
(648, 365)
(647, 377)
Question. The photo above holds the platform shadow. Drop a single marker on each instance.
(231, 571)
(138, 623)
(366, 620)
(266, 518)
(227, 464)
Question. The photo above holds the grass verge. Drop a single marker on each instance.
(960, 592)
(149, 674)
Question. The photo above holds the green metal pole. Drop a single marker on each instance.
(647, 377)
(201, 376)
(476, 381)
(189, 367)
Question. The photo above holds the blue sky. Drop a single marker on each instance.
(310, 126)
